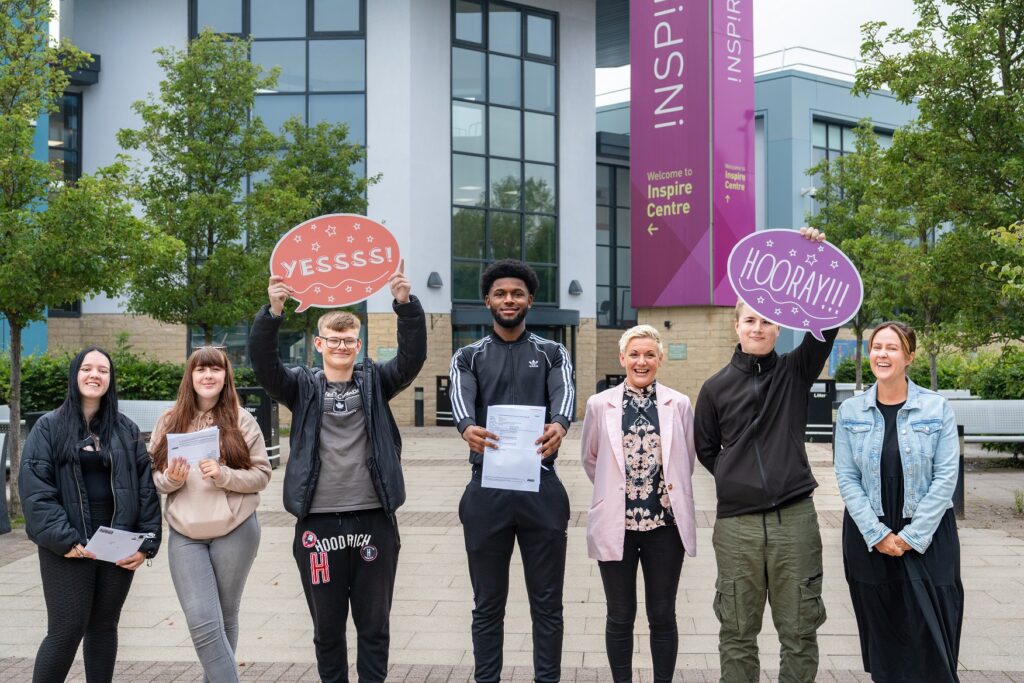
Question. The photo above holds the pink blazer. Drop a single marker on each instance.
(605, 463)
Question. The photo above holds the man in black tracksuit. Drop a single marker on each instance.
(749, 427)
(343, 480)
(514, 367)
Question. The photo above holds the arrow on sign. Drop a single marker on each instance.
(728, 199)
(651, 229)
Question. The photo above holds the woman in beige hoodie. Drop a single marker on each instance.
(211, 507)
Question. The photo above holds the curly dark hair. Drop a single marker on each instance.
(508, 268)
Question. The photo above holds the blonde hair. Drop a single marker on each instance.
(738, 311)
(337, 321)
(640, 332)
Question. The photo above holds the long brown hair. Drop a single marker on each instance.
(234, 452)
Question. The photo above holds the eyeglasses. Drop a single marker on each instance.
(336, 342)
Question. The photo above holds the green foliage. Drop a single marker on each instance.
(1003, 378)
(200, 146)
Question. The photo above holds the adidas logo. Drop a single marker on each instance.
(534, 364)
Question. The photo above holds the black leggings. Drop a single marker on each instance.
(660, 553)
(83, 599)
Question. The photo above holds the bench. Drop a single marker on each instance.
(988, 421)
(143, 413)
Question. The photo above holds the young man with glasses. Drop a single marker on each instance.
(343, 480)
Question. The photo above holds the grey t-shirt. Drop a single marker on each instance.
(344, 483)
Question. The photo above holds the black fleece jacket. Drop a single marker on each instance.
(302, 390)
(749, 427)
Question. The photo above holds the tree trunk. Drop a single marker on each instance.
(933, 370)
(208, 335)
(14, 435)
(858, 357)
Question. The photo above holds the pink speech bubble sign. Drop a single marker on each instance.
(335, 260)
(797, 283)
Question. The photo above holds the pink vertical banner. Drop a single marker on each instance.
(732, 132)
(691, 148)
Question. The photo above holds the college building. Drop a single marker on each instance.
(481, 118)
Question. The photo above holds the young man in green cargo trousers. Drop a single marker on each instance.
(749, 425)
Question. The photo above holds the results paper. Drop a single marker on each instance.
(194, 446)
(111, 545)
(515, 463)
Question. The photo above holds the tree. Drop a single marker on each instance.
(855, 216)
(61, 241)
(963, 67)
(201, 147)
(316, 174)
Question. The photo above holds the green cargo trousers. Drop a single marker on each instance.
(776, 555)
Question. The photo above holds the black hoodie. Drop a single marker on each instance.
(749, 427)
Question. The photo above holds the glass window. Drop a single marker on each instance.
(337, 65)
(539, 188)
(604, 267)
(65, 143)
(622, 227)
(540, 137)
(604, 232)
(466, 279)
(289, 56)
(604, 192)
(622, 266)
(818, 134)
(622, 186)
(350, 109)
(277, 18)
(539, 89)
(505, 233)
(469, 233)
(336, 15)
(503, 80)
(504, 30)
(223, 16)
(468, 127)
(468, 180)
(604, 306)
(506, 184)
(626, 309)
(548, 290)
(276, 109)
(539, 36)
(505, 137)
(540, 239)
(469, 21)
(468, 75)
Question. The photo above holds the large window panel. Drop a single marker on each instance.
(540, 137)
(469, 178)
(469, 74)
(548, 290)
(622, 186)
(337, 65)
(349, 109)
(623, 234)
(539, 86)
(277, 18)
(276, 109)
(540, 36)
(469, 21)
(604, 225)
(504, 29)
(469, 233)
(331, 16)
(468, 128)
(289, 56)
(466, 276)
(539, 188)
(222, 16)
(541, 239)
(506, 137)
(505, 235)
(503, 79)
(506, 184)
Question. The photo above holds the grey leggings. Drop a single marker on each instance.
(209, 576)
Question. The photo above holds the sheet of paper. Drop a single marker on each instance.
(515, 463)
(112, 545)
(194, 446)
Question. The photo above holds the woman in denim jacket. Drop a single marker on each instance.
(896, 460)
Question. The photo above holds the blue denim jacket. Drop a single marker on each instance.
(929, 449)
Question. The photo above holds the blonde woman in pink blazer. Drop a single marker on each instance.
(638, 450)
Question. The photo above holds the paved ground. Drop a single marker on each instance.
(431, 615)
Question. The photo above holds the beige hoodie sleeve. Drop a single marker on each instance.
(256, 478)
(163, 483)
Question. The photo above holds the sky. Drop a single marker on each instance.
(826, 26)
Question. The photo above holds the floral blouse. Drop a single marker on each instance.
(647, 503)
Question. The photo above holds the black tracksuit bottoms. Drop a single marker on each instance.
(349, 558)
(493, 520)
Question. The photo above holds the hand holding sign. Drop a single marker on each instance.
(333, 260)
(794, 281)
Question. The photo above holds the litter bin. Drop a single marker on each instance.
(819, 411)
(264, 409)
(613, 380)
(443, 417)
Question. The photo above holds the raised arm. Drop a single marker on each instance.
(279, 382)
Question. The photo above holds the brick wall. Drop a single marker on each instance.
(147, 337)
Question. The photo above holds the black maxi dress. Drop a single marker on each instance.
(909, 609)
